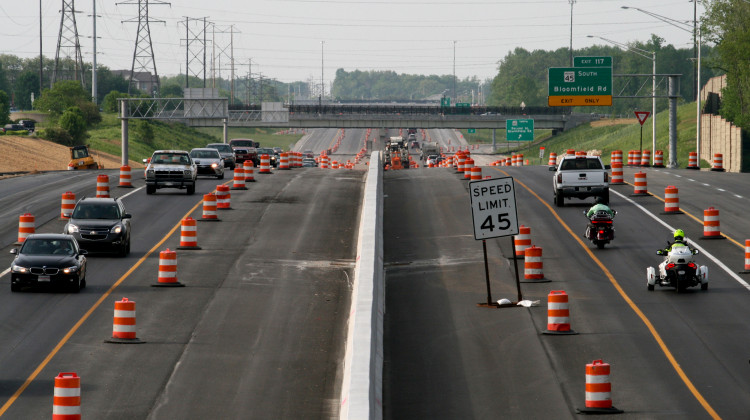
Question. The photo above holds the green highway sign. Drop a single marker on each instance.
(592, 61)
(471, 130)
(579, 86)
(519, 130)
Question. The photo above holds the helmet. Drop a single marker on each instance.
(679, 235)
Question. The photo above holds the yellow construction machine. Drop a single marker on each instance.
(81, 159)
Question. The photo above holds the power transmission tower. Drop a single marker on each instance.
(143, 56)
(67, 39)
(226, 51)
(195, 49)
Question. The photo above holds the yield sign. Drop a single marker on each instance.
(642, 115)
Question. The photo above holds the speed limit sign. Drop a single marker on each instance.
(493, 208)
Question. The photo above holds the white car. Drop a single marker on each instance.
(209, 161)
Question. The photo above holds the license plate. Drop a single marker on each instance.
(42, 278)
(681, 272)
(170, 184)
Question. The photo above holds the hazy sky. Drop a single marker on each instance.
(283, 38)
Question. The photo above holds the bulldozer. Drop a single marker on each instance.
(81, 159)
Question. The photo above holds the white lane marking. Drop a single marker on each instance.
(691, 179)
(720, 189)
(738, 196)
(7, 270)
(693, 243)
(707, 185)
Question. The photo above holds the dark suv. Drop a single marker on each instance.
(100, 225)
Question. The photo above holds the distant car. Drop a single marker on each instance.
(278, 150)
(243, 143)
(431, 160)
(274, 161)
(14, 127)
(308, 154)
(208, 161)
(309, 163)
(226, 153)
(29, 125)
(48, 259)
(100, 225)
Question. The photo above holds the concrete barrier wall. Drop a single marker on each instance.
(362, 388)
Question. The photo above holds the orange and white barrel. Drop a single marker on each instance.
(532, 263)
(718, 163)
(125, 180)
(324, 162)
(598, 387)
(616, 157)
(461, 163)
(265, 164)
(284, 160)
(636, 158)
(468, 166)
(658, 159)
(747, 255)
(238, 182)
(26, 226)
(570, 152)
(520, 159)
(646, 158)
(167, 269)
(188, 234)
(223, 197)
(66, 402)
(640, 184)
(476, 173)
(102, 186)
(522, 241)
(552, 159)
(711, 228)
(558, 312)
(67, 205)
(335, 164)
(617, 176)
(692, 160)
(671, 200)
(124, 320)
(249, 169)
(209, 207)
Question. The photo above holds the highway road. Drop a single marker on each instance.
(258, 330)
(671, 355)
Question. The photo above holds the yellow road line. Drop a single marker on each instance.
(85, 316)
(633, 306)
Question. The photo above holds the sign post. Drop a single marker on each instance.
(642, 117)
(493, 210)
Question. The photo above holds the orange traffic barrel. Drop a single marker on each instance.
(658, 159)
(26, 226)
(123, 326)
(711, 229)
(522, 241)
(67, 205)
(616, 157)
(249, 170)
(476, 173)
(598, 390)
(532, 264)
(209, 207)
(223, 197)
(66, 402)
(102, 186)
(558, 313)
(617, 175)
(718, 164)
(646, 158)
(188, 234)
(238, 182)
(671, 200)
(552, 159)
(693, 160)
(468, 166)
(747, 257)
(265, 164)
(167, 276)
(125, 180)
(284, 160)
(640, 184)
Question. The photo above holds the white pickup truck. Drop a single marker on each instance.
(580, 177)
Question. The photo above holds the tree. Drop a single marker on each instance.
(111, 103)
(108, 82)
(171, 90)
(725, 23)
(27, 83)
(4, 108)
(4, 86)
(73, 122)
(63, 95)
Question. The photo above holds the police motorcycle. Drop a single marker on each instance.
(678, 270)
(600, 229)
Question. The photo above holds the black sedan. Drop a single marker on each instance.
(48, 259)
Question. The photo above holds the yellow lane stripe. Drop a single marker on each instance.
(85, 316)
(630, 303)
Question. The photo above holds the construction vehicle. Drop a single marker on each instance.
(429, 149)
(81, 159)
(396, 153)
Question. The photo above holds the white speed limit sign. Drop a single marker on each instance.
(493, 208)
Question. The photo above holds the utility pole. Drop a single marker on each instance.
(195, 49)
(41, 55)
(143, 55)
(231, 68)
(571, 31)
(454, 73)
(94, 90)
(67, 38)
(322, 78)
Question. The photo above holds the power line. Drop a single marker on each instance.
(67, 39)
(143, 55)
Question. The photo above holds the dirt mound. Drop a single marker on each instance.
(31, 154)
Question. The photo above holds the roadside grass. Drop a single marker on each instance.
(607, 138)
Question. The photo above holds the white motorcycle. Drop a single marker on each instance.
(678, 270)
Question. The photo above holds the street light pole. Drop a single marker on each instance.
(454, 72)
(643, 53)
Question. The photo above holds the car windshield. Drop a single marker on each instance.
(223, 148)
(171, 159)
(204, 154)
(242, 143)
(48, 247)
(265, 151)
(96, 211)
(579, 164)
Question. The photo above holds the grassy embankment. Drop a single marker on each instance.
(106, 136)
(606, 138)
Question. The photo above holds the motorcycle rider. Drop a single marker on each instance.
(679, 240)
(597, 207)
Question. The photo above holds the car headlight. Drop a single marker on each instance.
(18, 269)
(72, 228)
(70, 270)
(116, 229)
(149, 173)
(214, 165)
